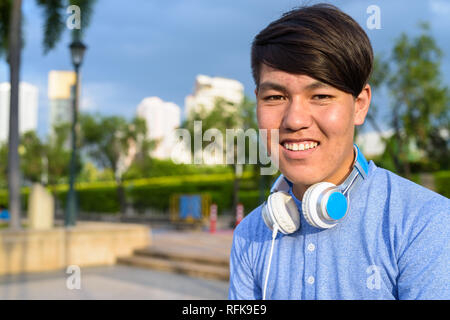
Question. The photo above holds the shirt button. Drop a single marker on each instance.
(311, 247)
(310, 280)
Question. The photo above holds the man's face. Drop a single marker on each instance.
(316, 125)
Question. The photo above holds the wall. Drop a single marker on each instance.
(87, 244)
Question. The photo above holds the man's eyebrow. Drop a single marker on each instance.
(268, 85)
(271, 86)
(316, 85)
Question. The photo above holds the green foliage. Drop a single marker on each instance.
(54, 22)
(421, 103)
(109, 139)
(251, 199)
(24, 193)
(87, 9)
(5, 13)
(58, 154)
(150, 167)
(11, 42)
(31, 151)
(225, 116)
(442, 182)
(90, 173)
(155, 193)
(54, 12)
(3, 165)
(93, 200)
(4, 198)
(158, 197)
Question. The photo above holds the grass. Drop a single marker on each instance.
(5, 225)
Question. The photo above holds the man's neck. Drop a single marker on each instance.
(337, 178)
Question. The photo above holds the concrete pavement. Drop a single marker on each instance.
(111, 283)
(131, 282)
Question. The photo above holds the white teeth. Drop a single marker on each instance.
(300, 146)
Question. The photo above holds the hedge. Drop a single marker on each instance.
(442, 182)
(24, 193)
(155, 193)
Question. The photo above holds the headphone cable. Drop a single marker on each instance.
(274, 235)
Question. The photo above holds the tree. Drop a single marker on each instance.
(58, 154)
(11, 42)
(112, 143)
(421, 102)
(222, 117)
(14, 46)
(378, 77)
(3, 165)
(32, 152)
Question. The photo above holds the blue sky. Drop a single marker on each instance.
(141, 48)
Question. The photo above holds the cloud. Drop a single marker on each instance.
(88, 104)
(440, 7)
(107, 97)
(95, 95)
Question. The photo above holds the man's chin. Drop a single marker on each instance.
(302, 175)
(303, 180)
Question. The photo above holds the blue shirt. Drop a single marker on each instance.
(392, 244)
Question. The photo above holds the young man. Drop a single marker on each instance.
(375, 235)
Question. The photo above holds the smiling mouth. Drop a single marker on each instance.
(300, 146)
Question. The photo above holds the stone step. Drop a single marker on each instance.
(188, 254)
(195, 269)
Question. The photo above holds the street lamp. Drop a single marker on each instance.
(77, 49)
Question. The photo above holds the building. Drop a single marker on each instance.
(28, 108)
(60, 92)
(208, 89)
(162, 118)
(371, 143)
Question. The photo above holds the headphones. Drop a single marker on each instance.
(323, 205)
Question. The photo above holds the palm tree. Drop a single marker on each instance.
(11, 43)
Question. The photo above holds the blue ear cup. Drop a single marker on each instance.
(323, 205)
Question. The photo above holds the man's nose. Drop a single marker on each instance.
(298, 115)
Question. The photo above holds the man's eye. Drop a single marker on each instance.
(321, 97)
(273, 98)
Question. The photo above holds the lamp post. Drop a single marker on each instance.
(77, 49)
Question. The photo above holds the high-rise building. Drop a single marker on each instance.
(28, 108)
(162, 118)
(208, 89)
(60, 92)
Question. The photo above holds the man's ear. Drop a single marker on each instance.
(256, 92)
(362, 103)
